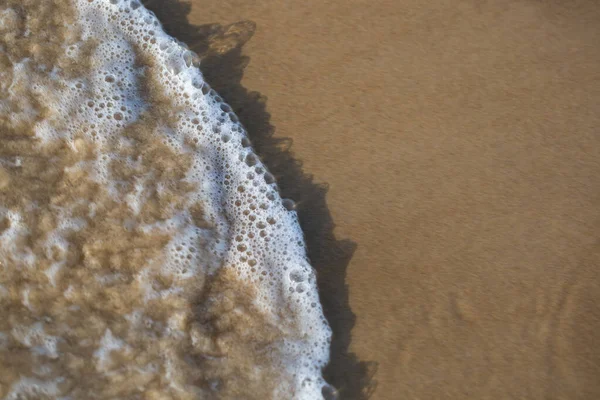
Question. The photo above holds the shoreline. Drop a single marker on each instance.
(458, 145)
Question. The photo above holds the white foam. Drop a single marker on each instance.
(34, 388)
(35, 338)
(108, 344)
(252, 230)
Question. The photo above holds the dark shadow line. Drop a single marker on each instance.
(220, 49)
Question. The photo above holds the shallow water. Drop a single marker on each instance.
(145, 251)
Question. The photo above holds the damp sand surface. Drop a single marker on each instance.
(459, 140)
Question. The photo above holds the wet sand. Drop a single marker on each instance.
(460, 141)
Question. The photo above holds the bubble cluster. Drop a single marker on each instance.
(146, 214)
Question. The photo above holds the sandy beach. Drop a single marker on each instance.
(445, 162)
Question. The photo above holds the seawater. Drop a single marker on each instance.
(145, 252)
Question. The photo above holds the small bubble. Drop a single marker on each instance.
(288, 204)
(269, 178)
(188, 58)
(297, 276)
(164, 45)
(197, 83)
(329, 392)
(251, 159)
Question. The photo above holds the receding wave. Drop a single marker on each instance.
(145, 252)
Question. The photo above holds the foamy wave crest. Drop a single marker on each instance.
(145, 251)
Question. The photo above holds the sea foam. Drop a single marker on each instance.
(145, 250)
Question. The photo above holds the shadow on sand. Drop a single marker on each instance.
(220, 48)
